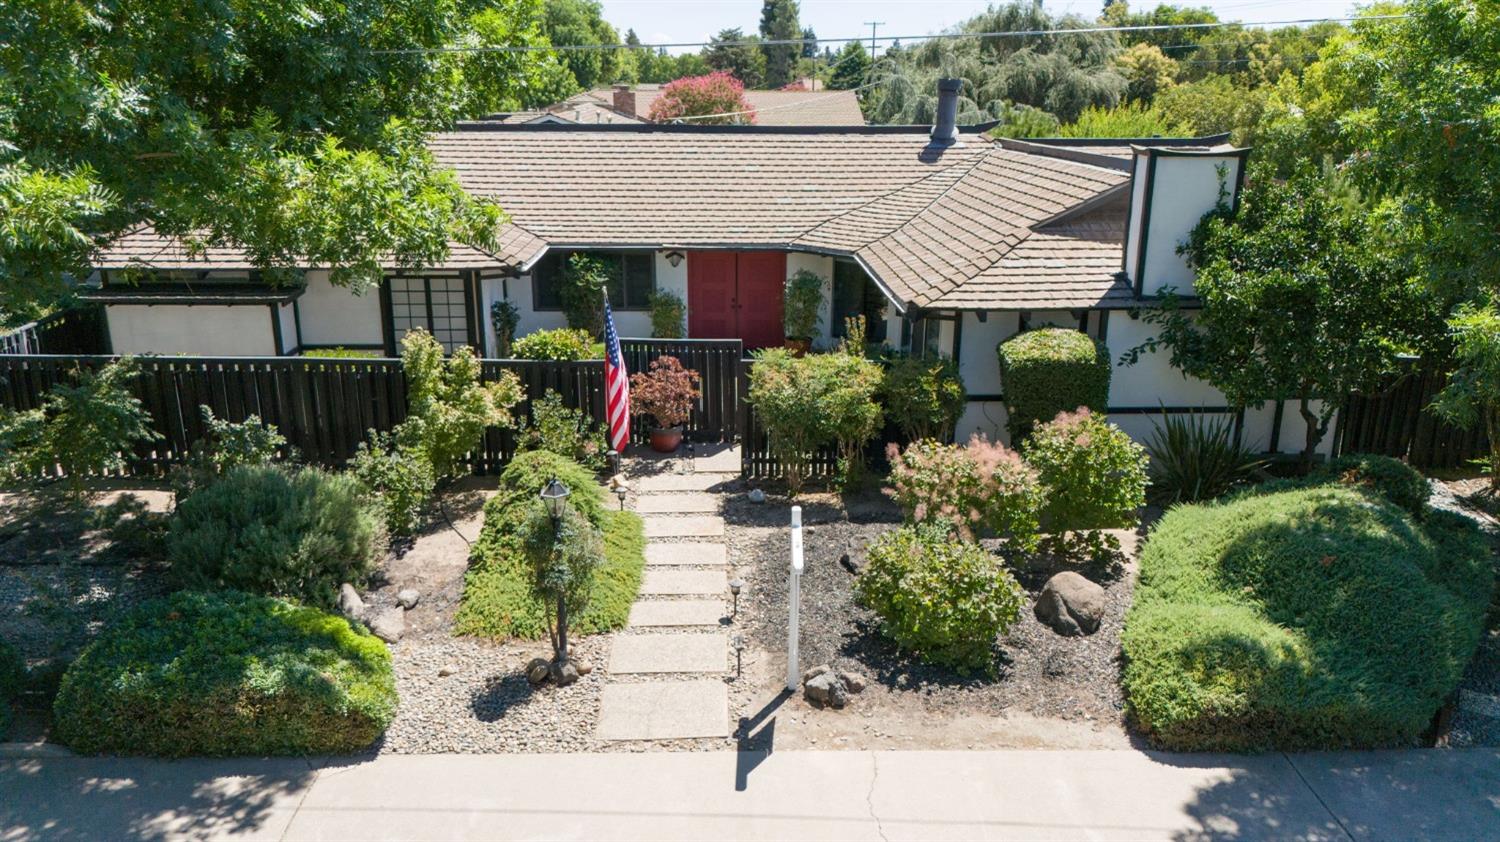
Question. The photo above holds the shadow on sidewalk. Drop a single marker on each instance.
(756, 745)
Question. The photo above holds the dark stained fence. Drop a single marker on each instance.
(76, 331)
(326, 406)
(1395, 421)
(757, 459)
(717, 361)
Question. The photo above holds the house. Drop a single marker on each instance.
(632, 104)
(949, 241)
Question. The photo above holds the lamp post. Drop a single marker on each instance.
(555, 497)
(735, 585)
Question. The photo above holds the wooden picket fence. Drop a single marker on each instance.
(1394, 420)
(326, 406)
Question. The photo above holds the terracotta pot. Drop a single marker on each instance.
(666, 439)
(798, 347)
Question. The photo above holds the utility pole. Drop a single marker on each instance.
(872, 24)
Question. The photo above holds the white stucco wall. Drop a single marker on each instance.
(287, 315)
(208, 330)
(1186, 188)
(822, 266)
(333, 315)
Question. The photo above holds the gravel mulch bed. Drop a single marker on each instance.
(1476, 721)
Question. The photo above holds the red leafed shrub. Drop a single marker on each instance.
(984, 487)
(666, 392)
(717, 93)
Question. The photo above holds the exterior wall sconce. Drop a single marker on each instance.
(675, 258)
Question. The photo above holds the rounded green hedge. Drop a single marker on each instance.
(227, 674)
(1051, 370)
(523, 479)
(1395, 480)
(12, 676)
(1312, 618)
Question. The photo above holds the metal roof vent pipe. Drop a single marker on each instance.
(945, 130)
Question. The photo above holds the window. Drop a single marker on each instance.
(436, 303)
(921, 334)
(632, 278)
(854, 294)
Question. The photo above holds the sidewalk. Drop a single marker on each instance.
(1396, 795)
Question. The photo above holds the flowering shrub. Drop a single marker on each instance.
(924, 397)
(693, 96)
(984, 487)
(666, 392)
(944, 599)
(1094, 476)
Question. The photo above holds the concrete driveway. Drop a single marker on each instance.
(1397, 795)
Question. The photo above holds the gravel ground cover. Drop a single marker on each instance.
(1476, 718)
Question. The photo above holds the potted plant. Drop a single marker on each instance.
(666, 393)
(802, 300)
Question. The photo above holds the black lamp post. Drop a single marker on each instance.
(555, 496)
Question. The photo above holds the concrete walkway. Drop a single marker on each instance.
(1425, 794)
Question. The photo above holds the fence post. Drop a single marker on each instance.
(794, 602)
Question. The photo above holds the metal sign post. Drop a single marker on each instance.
(794, 601)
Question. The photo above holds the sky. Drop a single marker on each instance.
(673, 21)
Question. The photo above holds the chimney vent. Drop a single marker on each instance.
(945, 130)
(624, 100)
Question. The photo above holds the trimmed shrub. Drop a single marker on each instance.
(1094, 476)
(1319, 617)
(561, 429)
(526, 475)
(982, 488)
(668, 315)
(1051, 370)
(808, 402)
(227, 674)
(227, 445)
(1397, 481)
(447, 407)
(498, 601)
(945, 600)
(12, 677)
(263, 529)
(562, 555)
(1195, 459)
(557, 344)
(924, 397)
(400, 481)
(802, 301)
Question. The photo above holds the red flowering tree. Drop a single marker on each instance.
(718, 94)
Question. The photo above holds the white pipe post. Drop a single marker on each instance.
(794, 601)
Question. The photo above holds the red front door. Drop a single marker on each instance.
(736, 295)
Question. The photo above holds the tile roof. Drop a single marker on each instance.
(144, 247)
(983, 224)
(772, 108)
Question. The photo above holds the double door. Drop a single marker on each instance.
(736, 295)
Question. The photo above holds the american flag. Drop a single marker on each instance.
(616, 384)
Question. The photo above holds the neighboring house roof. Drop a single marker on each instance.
(580, 109)
(772, 108)
(982, 224)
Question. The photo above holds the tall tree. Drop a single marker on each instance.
(577, 22)
(291, 128)
(850, 66)
(809, 43)
(778, 22)
(738, 55)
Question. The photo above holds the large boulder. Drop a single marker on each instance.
(350, 605)
(826, 688)
(1070, 604)
(388, 623)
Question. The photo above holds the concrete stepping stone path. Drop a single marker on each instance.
(687, 553)
(677, 612)
(668, 652)
(679, 503)
(661, 581)
(664, 710)
(682, 482)
(684, 526)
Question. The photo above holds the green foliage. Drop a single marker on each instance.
(581, 22)
(498, 602)
(1048, 371)
(264, 529)
(1147, 71)
(850, 385)
(400, 481)
(300, 140)
(1299, 299)
(562, 556)
(1195, 459)
(569, 432)
(504, 317)
(1133, 120)
(668, 315)
(778, 22)
(1213, 105)
(557, 344)
(924, 396)
(447, 407)
(801, 302)
(342, 353)
(947, 601)
(983, 488)
(737, 54)
(665, 392)
(1471, 397)
(808, 402)
(1393, 479)
(1094, 476)
(581, 293)
(1313, 618)
(199, 674)
(523, 479)
(84, 428)
(850, 67)
(12, 678)
(226, 445)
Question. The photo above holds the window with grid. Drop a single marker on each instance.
(632, 278)
(434, 303)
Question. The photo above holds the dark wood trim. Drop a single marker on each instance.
(958, 335)
(276, 329)
(1140, 250)
(1239, 179)
(1083, 321)
(387, 324)
(1104, 327)
(996, 397)
(297, 321)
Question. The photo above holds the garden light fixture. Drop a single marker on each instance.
(739, 646)
(734, 589)
(555, 496)
(620, 492)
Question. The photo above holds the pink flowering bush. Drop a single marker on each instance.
(695, 96)
(981, 488)
(1094, 478)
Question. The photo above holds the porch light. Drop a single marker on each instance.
(555, 496)
(674, 258)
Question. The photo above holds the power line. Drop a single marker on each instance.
(941, 36)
